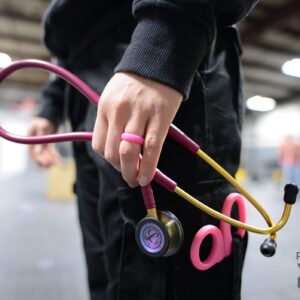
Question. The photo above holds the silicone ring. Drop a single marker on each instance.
(133, 138)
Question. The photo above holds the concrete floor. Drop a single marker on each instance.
(274, 278)
(40, 252)
(41, 258)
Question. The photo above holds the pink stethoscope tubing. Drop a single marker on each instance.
(91, 95)
(221, 237)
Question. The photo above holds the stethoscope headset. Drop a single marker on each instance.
(160, 232)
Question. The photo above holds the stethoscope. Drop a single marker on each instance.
(160, 232)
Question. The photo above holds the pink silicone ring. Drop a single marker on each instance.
(133, 138)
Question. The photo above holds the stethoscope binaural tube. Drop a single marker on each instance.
(291, 191)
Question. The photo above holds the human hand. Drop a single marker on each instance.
(133, 104)
(44, 155)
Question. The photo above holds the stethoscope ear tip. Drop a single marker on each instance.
(290, 193)
(268, 247)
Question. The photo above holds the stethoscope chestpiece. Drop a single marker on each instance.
(159, 237)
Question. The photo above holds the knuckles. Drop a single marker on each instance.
(116, 103)
(151, 144)
(112, 158)
(126, 151)
(97, 147)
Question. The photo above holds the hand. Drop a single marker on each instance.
(133, 104)
(44, 155)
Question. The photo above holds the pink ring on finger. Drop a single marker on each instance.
(133, 138)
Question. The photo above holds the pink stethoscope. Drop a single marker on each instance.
(160, 232)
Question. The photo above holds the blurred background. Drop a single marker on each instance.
(40, 244)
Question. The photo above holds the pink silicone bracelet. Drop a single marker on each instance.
(133, 138)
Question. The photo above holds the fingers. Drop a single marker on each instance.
(133, 104)
(44, 155)
(129, 152)
(113, 139)
(40, 126)
(36, 151)
(100, 134)
(47, 156)
(154, 139)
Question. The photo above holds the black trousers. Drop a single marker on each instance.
(109, 210)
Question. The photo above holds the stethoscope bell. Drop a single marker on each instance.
(159, 237)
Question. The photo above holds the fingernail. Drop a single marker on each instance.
(133, 185)
(143, 180)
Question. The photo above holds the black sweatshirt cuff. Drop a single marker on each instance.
(52, 113)
(167, 47)
(52, 102)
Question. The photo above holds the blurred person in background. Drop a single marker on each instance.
(297, 175)
(289, 160)
(154, 62)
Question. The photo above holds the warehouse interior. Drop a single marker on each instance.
(41, 254)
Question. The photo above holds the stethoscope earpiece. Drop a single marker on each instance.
(159, 237)
(268, 247)
(290, 193)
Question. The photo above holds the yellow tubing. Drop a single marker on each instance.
(270, 230)
(240, 189)
(152, 213)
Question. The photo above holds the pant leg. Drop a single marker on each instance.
(212, 116)
(82, 115)
(86, 188)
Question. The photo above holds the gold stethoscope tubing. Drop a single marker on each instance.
(271, 230)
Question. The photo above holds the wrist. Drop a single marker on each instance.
(167, 47)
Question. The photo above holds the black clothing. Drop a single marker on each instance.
(52, 107)
(212, 116)
(212, 119)
(199, 59)
(87, 180)
(170, 35)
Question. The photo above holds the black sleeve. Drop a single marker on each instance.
(170, 40)
(52, 101)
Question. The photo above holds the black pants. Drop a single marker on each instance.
(109, 210)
